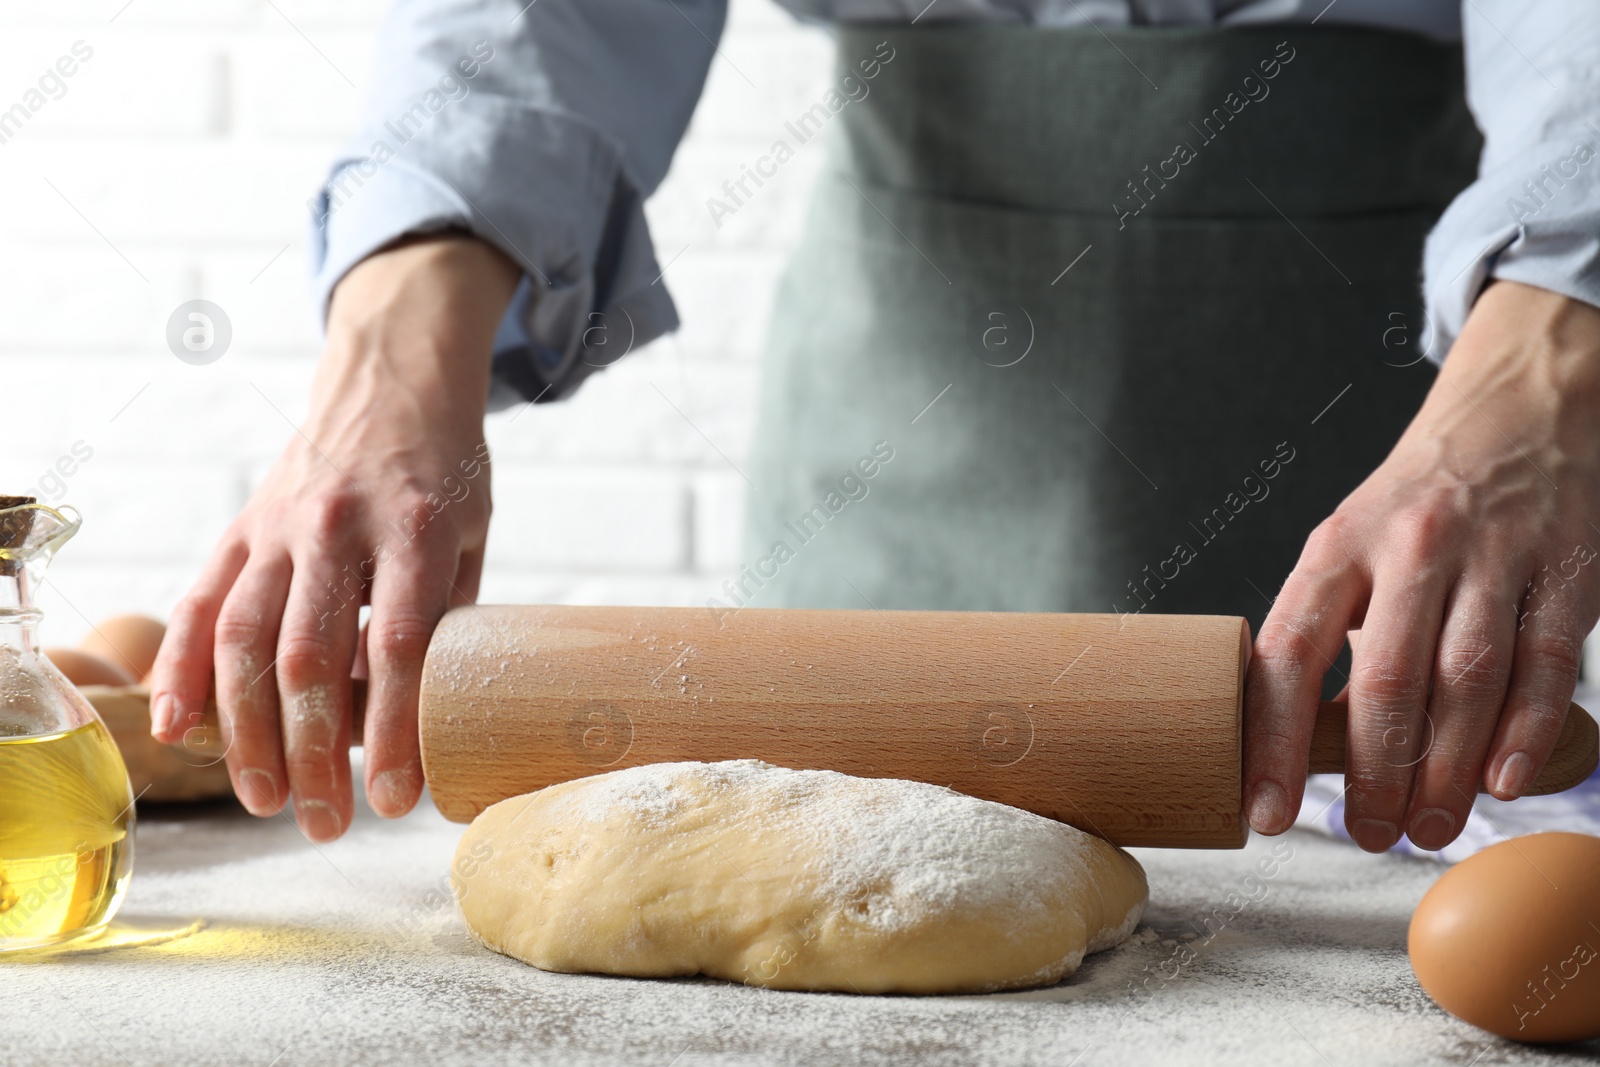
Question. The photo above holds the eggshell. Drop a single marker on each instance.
(1509, 938)
(83, 669)
(129, 640)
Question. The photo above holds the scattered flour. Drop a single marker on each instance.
(353, 953)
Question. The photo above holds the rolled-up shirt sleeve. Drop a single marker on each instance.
(1533, 215)
(540, 128)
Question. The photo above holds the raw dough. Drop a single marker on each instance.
(791, 880)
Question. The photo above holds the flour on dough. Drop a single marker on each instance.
(791, 880)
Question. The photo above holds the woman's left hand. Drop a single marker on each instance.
(1468, 562)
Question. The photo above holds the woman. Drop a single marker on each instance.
(1122, 313)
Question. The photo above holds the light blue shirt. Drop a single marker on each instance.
(542, 127)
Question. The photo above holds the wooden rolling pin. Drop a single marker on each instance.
(1125, 726)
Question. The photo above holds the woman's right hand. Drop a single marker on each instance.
(382, 497)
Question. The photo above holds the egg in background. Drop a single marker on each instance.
(1509, 938)
(130, 641)
(83, 669)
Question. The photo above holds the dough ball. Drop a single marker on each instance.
(791, 880)
(82, 668)
(130, 641)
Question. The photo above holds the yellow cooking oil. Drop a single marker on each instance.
(66, 825)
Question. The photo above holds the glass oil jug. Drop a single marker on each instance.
(66, 808)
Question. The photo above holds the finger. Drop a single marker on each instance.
(408, 598)
(1470, 674)
(1298, 641)
(247, 695)
(1389, 677)
(316, 648)
(1544, 672)
(180, 678)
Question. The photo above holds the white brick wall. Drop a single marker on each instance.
(190, 141)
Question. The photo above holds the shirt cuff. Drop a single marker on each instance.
(1535, 220)
(543, 187)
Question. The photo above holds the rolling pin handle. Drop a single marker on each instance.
(1576, 754)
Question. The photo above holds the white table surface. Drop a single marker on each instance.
(348, 953)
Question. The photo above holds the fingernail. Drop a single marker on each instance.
(1269, 808)
(258, 791)
(160, 715)
(1432, 827)
(1375, 835)
(318, 819)
(390, 792)
(1516, 773)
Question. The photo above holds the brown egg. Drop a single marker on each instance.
(129, 640)
(1509, 938)
(83, 669)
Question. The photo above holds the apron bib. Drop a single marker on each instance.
(1058, 340)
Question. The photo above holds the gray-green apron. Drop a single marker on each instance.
(1123, 346)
